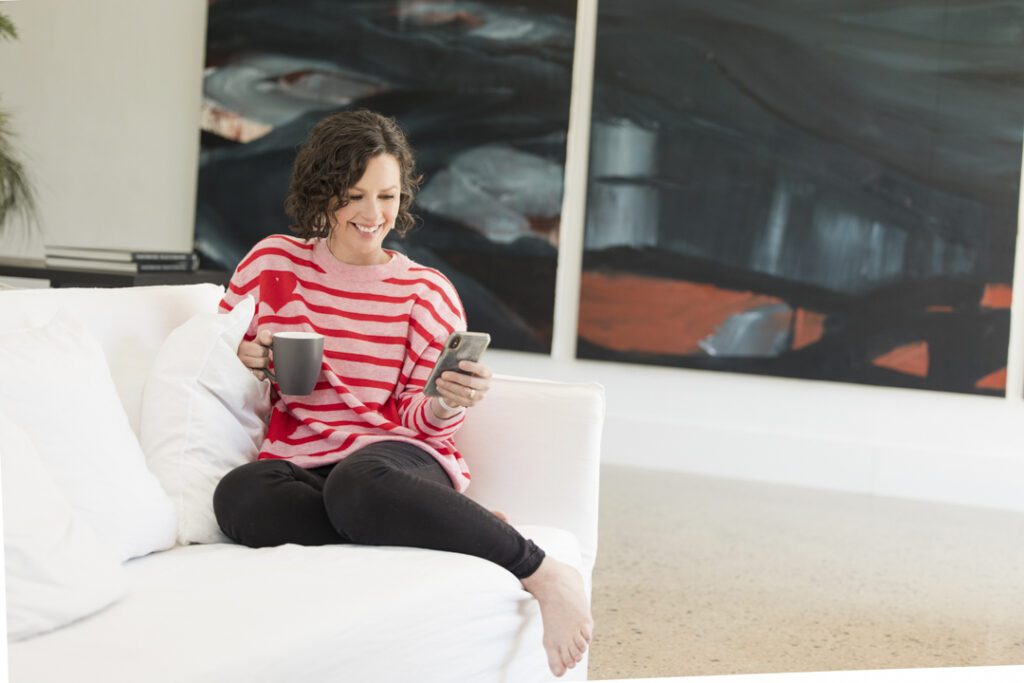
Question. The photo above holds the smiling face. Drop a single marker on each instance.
(361, 225)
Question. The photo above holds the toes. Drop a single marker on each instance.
(556, 667)
(568, 660)
(581, 643)
(555, 661)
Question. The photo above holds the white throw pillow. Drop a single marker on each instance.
(57, 386)
(203, 414)
(57, 571)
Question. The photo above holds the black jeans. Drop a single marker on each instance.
(388, 493)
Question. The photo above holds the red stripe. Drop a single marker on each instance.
(425, 335)
(386, 424)
(352, 315)
(225, 305)
(298, 243)
(363, 382)
(361, 358)
(327, 332)
(243, 289)
(429, 307)
(358, 410)
(268, 251)
(418, 421)
(430, 285)
(334, 423)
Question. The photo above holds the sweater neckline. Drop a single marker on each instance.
(323, 257)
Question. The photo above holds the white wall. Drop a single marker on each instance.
(106, 95)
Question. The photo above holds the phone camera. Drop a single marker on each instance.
(455, 343)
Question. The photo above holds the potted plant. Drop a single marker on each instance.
(15, 192)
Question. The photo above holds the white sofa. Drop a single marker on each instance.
(220, 613)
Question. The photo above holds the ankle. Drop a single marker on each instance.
(542, 576)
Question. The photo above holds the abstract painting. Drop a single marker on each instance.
(823, 190)
(481, 89)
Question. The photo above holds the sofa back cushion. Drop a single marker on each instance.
(129, 323)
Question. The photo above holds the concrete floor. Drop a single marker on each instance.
(697, 575)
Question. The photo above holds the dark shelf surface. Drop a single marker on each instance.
(72, 277)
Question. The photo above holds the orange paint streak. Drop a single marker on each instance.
(808, 328)
(997, 296)
(996, 380)
(655, 315)
(910, 359)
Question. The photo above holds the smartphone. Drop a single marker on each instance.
(459, 347)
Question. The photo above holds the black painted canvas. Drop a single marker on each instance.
(822, 190)
(482, 91)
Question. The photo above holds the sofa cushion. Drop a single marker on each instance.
(130, 323)
(57, 387)
(203, 414)
(56, 569)
(225, 613)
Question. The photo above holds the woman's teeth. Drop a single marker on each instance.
(366, 230)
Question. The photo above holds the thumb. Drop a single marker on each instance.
(265, 337)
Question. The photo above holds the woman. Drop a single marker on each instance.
(368, 457)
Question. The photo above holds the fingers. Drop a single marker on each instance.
(465, 387)
(456, 394)
(462, 380)
(253, 355)
(457, 397)
(478, 369)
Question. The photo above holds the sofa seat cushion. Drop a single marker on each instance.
(221, 613)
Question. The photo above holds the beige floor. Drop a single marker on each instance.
(697, 575)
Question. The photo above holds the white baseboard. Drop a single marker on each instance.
(815, 461)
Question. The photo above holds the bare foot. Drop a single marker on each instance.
(568, 626)
(500, 515)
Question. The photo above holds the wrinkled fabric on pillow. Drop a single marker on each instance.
(203, 414)
(58, 388)
(57, 571)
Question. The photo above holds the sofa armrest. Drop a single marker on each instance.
(534, 448)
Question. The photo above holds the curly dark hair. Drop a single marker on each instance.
(334, 157)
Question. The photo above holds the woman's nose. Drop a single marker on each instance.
(373, 210)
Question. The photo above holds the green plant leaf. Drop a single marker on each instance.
(16, 196)
(7, 29)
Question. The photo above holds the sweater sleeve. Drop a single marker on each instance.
(246, 282)
(433, 319)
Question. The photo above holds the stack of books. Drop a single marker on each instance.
(117, 261)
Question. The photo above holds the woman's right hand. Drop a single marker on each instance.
(255, 355)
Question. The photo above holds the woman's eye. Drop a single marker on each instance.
(355, 197)
(387, 196)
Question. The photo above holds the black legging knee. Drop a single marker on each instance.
(389, 493)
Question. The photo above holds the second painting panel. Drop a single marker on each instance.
(811, 190)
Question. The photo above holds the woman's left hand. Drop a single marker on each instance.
(467, 387)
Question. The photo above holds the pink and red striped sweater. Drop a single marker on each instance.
(384, 328)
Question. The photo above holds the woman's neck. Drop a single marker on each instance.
(378, 258)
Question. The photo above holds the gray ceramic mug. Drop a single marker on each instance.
(297, 360)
